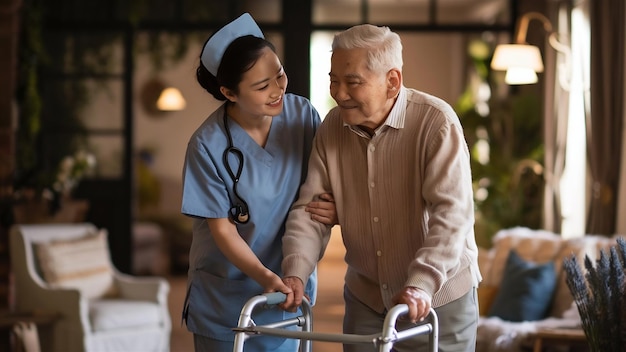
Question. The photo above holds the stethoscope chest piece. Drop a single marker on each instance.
(243, 218)
(239, 209)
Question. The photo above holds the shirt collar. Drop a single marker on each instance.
(398, 112)
(395, 118)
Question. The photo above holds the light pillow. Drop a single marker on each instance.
(81, 263)
(526, 290)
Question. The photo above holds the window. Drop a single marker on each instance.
(574, 181)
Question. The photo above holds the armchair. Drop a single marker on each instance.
(66, 269)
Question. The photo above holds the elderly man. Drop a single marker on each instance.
(398, 165)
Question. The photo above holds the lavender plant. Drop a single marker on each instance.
(599, 296)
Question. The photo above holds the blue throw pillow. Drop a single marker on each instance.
(526, 290)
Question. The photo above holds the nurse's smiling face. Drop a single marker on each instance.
(262, 88)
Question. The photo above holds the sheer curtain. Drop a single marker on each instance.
(556, 111)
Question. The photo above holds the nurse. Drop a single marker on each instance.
(242, 170)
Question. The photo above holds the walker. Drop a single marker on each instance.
(246, 327)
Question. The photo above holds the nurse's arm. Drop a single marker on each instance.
(239, 253)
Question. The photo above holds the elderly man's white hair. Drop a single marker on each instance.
(384, 46)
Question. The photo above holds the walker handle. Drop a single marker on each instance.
(275, 297)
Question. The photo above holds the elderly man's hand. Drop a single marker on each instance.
(294, 299)
(418, 301)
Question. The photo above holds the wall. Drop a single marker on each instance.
(167, 133)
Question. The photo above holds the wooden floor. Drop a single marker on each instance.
(327, 313)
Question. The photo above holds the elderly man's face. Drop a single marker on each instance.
(364, 97)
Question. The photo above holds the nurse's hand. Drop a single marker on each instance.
(323, 209)
(273, 283)
(294, 299)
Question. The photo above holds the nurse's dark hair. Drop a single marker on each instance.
(238, 58)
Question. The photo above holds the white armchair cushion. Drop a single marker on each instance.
(110, 314)
(81, 263)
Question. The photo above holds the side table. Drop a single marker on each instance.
(563, 336)
(9, 318)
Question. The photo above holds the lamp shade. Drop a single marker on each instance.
(520, 61)
(171, 100)
(507, 56)
(520, 75)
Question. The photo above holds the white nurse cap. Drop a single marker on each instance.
(216, 45)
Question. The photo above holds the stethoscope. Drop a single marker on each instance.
(239, 209)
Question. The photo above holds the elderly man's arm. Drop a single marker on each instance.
(447, 189)
(305, 239)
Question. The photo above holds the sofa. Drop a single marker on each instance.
(524, 286)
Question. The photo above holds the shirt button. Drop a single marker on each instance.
(379, 253)
(372, 185)
(375, 218)
(384, 286)
(372, 148)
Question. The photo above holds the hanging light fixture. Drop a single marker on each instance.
(171, 99)
(522, 61)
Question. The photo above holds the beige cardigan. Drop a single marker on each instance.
(404, 201)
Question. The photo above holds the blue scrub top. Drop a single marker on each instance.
(269, 183)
